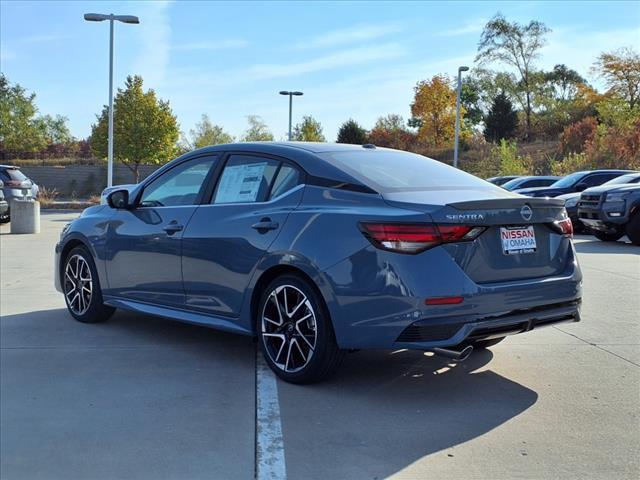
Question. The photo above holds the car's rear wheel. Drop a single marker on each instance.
(609, 236)
(633, 228)
(296, 334)
(81, 288)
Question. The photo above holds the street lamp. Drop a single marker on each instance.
(291, 95)
(99, 17)
(457, 134)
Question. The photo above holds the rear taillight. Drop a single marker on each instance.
(415, 238)
(564, 226)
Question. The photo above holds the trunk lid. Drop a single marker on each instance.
(484, 259)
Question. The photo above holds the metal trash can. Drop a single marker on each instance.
(25, 216)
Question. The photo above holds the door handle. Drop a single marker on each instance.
(265, 224)
(172, 228)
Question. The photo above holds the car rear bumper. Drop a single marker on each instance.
(394, 314)
(455, 331)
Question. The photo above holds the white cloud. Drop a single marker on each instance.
(471, 27)
(154, 37)
(357, 33)
(213, 45)
(344, 58)
(43, 38)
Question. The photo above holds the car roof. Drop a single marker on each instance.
(10, 167)
(269, 147)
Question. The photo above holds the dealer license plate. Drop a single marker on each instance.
(518, 240)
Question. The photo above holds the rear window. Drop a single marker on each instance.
(393, 171)
(13, 174)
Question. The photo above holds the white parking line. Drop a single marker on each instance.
(270, 464)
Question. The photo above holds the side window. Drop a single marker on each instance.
(288, 177)
(178, 186)
(598, 179)
(245, 179)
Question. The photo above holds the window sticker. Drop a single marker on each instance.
(240, 183)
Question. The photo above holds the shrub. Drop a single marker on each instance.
(576, 137)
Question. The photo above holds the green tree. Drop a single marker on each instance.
(257, 131)
(471, 100)
(309, 130)
(502, 120)
(564, 82)
(145, 129)
(517, 46)
(57, 130)
(20, 128)
(621, 71)
(351, 132)
(206, 133)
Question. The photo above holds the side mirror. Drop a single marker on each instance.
(581, 186)
(118, 199)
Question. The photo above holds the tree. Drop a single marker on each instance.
(564, 82)
(434, 105)
(257, 130)
(390, 131)
(621, 71)
(206, 133)
(20, 129)
(516, 45)
(145, 129)
(57, 130)
(501, 121)
(471, 100)
(309, 130)
(351, 132)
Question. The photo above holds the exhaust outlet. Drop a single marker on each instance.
(456, 356)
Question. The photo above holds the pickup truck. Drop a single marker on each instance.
(612, 211)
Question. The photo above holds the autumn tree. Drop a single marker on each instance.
(145, 129)
(517, 46)
(207, 133)
(502, 120)
(434, 106)
(309, 130)
(257, 131)
(563, 82)
(351, 132)
(391, 131)
(621, 71)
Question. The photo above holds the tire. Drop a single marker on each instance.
(81, 288)
(608, 237)
(633, 228)
(295, 331)
(483, 344)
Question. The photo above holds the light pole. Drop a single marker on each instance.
(291, 95)
(457, 134)
(99, 17)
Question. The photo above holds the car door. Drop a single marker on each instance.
(143, 244)
(227, 237)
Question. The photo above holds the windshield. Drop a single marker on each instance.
(512, 184)
(389, 171)
(14, 174)
(622, 179)
(569, 180)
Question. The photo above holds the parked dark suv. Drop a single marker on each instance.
(611, 211)
(576, 182)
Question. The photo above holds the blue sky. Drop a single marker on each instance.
(229, 60)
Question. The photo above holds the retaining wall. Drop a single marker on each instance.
(82, 181)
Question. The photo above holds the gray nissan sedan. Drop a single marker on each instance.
(316, 249)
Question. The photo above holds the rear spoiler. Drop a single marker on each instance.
(495, 203)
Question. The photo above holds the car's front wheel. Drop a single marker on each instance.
(296, 334)
(633, 228)
(81, 288)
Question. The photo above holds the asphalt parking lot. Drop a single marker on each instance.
(142, 397)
